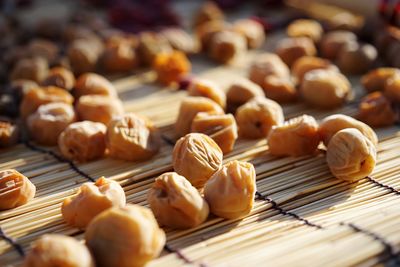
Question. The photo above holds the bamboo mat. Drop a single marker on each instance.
(302, 217)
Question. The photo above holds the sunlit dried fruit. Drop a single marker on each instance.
(196, 157)
(207, 88)
(291, 49)
(40, 96)
(350, 155)
(241, 91)
(252, 30)
(256, 118)
(125, 237)
(34, 69)
(332, 42)
(131, 137)
(93, 84)
(83, 55)
(221, 128)
(305, 64)
(83, 141)
(279, 89)
(305, 28)
(225, 46)
(150, 45)
(58, 250)
(49, 120)
(9, 133)
(171, 67)
(99, 108)
(90, 200)
(325, 88)
(190, 106)
(60, 77)
(230, 191)
(376, 111)
(296, 137)
(392, 88)
(334, 123)
(176, 203)
(43, 48)
(355, 58)
(265, 65)
(375, 80)
(180, 40)
(21, 87)
(15, 189)
(119, 57)
(206, 31)
(209, 11)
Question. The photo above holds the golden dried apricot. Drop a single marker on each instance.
(230, 191)
(209, 89)
(150, 45)
(256, 118)
(350, 155)
(221, 128)
(196, 157)
(60, 77)
(332, 42)
(83, 56)
(209, 11)
(90, 200)
(176, 203)
(305, 64)
(119, 57)
(225, 46)
(58, 250)
(296, 137)
(15, 189)
(43, 48)
(34, 69)
(93, 84)
(267, 64)
(325, 88)
(125, 237)
(190, 106)
(171, 67)
(291, 49)
(180, 40)
(392, 88)
(305, 28)
(355, 58)
(241, 91)
(376, 111)
(280, 89)
(99, 108)
(206, 31)
(334, 123)
(252, 30)
(49, 120)
(83, 141)
(131, 137)
(9, 133)
(375, 80)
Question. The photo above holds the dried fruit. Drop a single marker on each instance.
(279, 89)
(58, 250)
(43, 48)
(209, 11)
(40, 96)
(392, 88)
(99, 108)
(256, 118)
(9, 133)
(221, 128)
(209, 89)
(171, 67)
(252, 30)
(190, 106)
(230, 191)
(131, 137)
(20, 87)
(93, 84)
(206, 31)
(180, 40)
(83, 55)
(34, 69)
(355, 58)
(291, 49)
(15, 189)
(125, 237)
(90, 200)
(375, 80)
(305, 28)
(49, 120)
(265, 65)
(225, 46)
(305, 64)
(241, 91)
(196, 157)
(176, 203)
(350, 155)
(150, 45)
(376, 111)
(332, 42)
(296, 137)
(325, 88)
(334, 123)
(83, 141)
(119, 56)
(60, 77)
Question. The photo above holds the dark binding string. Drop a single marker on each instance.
(276, 207)
(388, 248)
(60, 159)
(167, 140)
(387, 187)
(12, 242)
(182, 256)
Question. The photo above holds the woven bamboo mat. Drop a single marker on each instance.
(302, 217)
